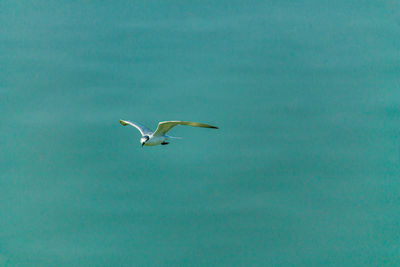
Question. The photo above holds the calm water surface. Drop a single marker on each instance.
(304, 170)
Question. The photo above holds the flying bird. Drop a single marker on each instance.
(159, 137)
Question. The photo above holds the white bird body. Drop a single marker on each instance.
(155, 140)
(159, 137)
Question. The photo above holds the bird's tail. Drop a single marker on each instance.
(173, 137)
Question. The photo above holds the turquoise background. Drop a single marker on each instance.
(304, 170)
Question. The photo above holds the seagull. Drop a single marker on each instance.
(150, 138)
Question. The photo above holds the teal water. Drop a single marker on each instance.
(304, 170)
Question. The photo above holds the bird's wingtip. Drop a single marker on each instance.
(123, 122)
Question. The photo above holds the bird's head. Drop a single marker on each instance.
(144, 139)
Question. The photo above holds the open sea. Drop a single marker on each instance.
(304, 170)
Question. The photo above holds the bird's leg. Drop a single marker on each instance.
(164, 143)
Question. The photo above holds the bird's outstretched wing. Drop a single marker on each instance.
(165, 126)
(143, 129)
